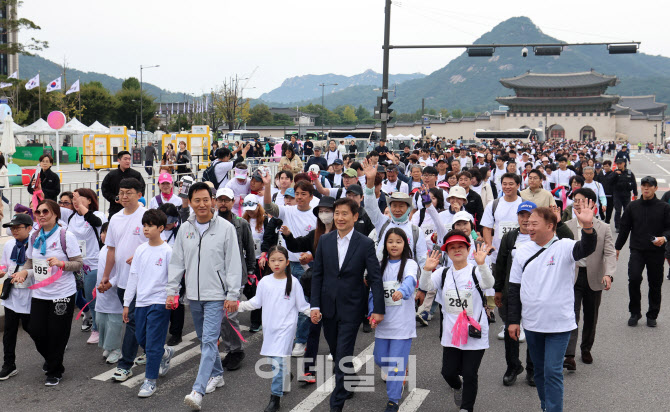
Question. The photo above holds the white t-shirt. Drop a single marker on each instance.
(65, 286)
(333, 193)
(150, 263)
(332, 156)
(427, 227)
(107, 302)
(19, 297)
(240, 190)
(86, 237)
(201, 226)
(547, 291)
(280, 313)
(597, 189)
(257, 236)
(504, 220)
(174, 199)
(125, 233)
(399, 319)
(464, 162)
(561, 177)
(392, 187)
(299, 222)
(221, 171)
(446, 296)
(167, 236)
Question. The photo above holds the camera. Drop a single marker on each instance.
(524, 52)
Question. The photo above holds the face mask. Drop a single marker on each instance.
(326, 217)
(403, 218)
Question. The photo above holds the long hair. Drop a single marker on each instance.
(260, 217)
(283, 251)
(320, 230)
(406, 251)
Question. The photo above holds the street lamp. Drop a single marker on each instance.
(323, 107)
(142, 100)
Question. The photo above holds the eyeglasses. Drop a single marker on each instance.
(42, 212)
(126, 194)
(62, 203)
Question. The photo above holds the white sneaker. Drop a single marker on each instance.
(501, 335)
(105, 353)
(193, 400)
(141, 360)
(165, 361)
(122, 375)
(522, 336)
(299, 350)
(330, 357)
(148, 388)
(213, 383)
(114, 356)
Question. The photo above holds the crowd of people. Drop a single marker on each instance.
(333, 245)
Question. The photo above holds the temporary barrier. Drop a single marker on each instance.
(100, 150)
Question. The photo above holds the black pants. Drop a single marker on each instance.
(341, 338)
(12, 320)
(620, 203)
(312, 348)
(149, 167)
(590, 300)
(512, 346)
(465, 363)
(177, 315)
(50, 323)
(653, 260)
(606, 216)
(256, 316)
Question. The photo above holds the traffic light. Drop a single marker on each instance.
(378, 109)
(386, 113)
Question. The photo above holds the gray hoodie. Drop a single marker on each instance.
(211, 263)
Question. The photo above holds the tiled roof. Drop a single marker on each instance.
(642, 103)
(547, 101)
(559, 80)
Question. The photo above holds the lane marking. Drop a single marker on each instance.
(414, 400)
(324, 390)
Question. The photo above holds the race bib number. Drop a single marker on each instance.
(82, 248)
(506, 227)
(428, 230)
(455, 305)
(41, 270)
(390, 288)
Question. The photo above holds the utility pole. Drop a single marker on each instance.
(323, 107)
(385, 66)
(423, 110)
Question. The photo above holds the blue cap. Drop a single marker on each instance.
(290, 192)
(526, 206)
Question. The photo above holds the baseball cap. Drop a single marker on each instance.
(317, 148)
(338, 162)
(526, 206)
(620, 160)
(381, 168)
(351, 172)
(241, 173)
(225, 191)
(462, 216)
(599, 165)
(650, 180)
(455, 239)
(314, 168)
(355, 188)
(289, 192)
(250, 202)
(19, 219)
(458, 192)
(164, 177)
(257, 176)
(545, 159)
(480, 154)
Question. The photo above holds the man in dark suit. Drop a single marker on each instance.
(339, 291)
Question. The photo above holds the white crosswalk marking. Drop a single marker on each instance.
(176, 360)
(414, 400)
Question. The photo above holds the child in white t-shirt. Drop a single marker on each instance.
(109, 310)
(281, 298)
(150, 262)
(393, 336)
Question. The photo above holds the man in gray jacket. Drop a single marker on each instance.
(225, 200)
(206, 252)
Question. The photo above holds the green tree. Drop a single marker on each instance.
(457, 114)
(97, 103)
(128, 108)
(444, 113)
(362, 113)
(10, 23)
(260, 115)
(130, 83)
(281, 120)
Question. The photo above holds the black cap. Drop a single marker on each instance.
(381, 169)
(355, 188)
(326, 201)
(19, 219)
(650, 180)
(620, 160)
(338, 162)
(257, 176)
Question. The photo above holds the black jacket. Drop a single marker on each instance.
(475, 208)
(643, 219)
(622, 155)
(607, 180)
(623, 183)
(50, 184)
(271, 235)
(320, 161)
(110, 186)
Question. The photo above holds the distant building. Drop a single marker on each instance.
(299, 118)
(9, 63)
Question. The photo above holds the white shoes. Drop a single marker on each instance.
(193, 400)
(501, 335)
(114, 356)
(105, 353)
(330, 357)
(299, 350)
(165, 361)
(213, 383)
(148, 388)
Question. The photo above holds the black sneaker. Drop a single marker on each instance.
(633, 320)
(7, 372)
(651, 322)
(174, 340)
(52, 381)
(530, 378)
(45, 367)
(492, 317)
(255, 328)
(225, 360)
(510, 375)
(391, 407)
(234, 361)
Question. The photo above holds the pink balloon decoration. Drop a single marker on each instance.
(56, 120)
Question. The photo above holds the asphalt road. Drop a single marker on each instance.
(629, 370)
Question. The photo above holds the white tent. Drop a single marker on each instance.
(40, 127)
(400, 136)
(390, 136)
(411, 136)
(74, 126)
(99, 128)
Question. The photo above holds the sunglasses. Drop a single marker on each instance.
(42, 212)
(247, 204)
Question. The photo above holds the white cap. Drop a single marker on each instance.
(248, 200)
(462, 216)
(480, 154)
(225, 191)
(314, 168)
(459, 192)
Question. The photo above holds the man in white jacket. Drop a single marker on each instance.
(207, 253)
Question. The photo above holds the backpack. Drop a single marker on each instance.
(415, 236)
(97, 236)
(209, 175)
(397, 185)
(274, 197)
(159, 200)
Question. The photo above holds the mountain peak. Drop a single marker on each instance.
(514, 30)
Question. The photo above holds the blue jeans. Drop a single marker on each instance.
(151, 324)
(90, 282)
(207, 316)
(547, 351)
(129, 347)
(281, 367)
(395, 369)
(304, 322)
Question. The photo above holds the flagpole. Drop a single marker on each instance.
(39, 94)
(79, 94)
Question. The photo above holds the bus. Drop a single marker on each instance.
(372, 135)
(524, 135)
(242, 135)
(314, 135)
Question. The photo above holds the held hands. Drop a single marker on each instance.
(315, 316)
(305, 258)
(432, 261)
(261, 263)
(169, 303)
(104, 286)
(230, 306)
(375, 319)
(481, 253)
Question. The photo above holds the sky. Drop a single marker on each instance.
(200, 43)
